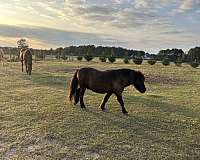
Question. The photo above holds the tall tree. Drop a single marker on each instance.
(194, 54)
(22, 43)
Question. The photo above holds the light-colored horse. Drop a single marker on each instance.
(26, 58)
(2, 58)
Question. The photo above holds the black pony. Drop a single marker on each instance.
(109, 82)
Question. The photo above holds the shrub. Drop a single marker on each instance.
(126, 60)
(178, 63)
(151, 61)
(88, 57)
(165, 62)
(79, 58)
(194, 64)
(64, 57)
(102, 59)
(57, 56)
(138, 60)
(111, 59)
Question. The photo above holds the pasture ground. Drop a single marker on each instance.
(36, 122)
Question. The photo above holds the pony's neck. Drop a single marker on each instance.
(127, 80)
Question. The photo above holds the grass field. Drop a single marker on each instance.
(36, 121)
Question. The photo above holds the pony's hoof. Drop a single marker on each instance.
(125, 112)
(104, 110)
(83, 107)
(75, 102)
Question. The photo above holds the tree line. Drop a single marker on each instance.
(173, 55)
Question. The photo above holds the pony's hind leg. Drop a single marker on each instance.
(105, 100)
(29, 72)
(77, 96)
(120, 100)
(26, 67)
(22, 65)
(82, 91)
(29, 69)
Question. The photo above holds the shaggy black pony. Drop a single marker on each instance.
(104, 82)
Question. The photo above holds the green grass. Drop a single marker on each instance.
(36, 121)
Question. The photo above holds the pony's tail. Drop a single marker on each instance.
(73, 87)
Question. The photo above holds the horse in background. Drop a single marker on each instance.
(105, 82)
(26, 58)
(2, 58)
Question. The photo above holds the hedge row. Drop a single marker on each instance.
(137, 60)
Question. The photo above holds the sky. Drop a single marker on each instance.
(149, 25)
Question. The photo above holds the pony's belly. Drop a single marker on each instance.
(97, 90)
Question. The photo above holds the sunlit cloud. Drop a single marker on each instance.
(50, 37)
(188, 5)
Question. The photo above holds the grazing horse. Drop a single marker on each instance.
(105, 82)
(2, 58)
(26, 57)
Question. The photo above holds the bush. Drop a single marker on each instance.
(57, 56)
(194, 64)
(151, 61)
(79, 58)
(111, 59)
(88, 57)
(126, 60)
(165, 62)
(138, 60)
(102, 59)
(178, 63)
(64, 57)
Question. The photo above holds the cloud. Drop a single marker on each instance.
(107, 13)
(117, 14)
(173, 32)
(141, 4)
(189, 5)
(186, 5)
(137, 24)
(41, 37)
(56, 37)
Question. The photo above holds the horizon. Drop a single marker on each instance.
(137, 24)
(96, 47)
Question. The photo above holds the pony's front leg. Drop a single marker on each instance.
(82, 91)
(105, 100)
(26, 66)
(120, 100)
(22, 65)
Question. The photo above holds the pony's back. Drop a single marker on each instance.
(28, 56)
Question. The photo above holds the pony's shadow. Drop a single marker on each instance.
(141, 125)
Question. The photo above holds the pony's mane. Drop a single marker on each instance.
(23, 49)
(139, 74)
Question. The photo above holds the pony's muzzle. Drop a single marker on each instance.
(143, 90)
